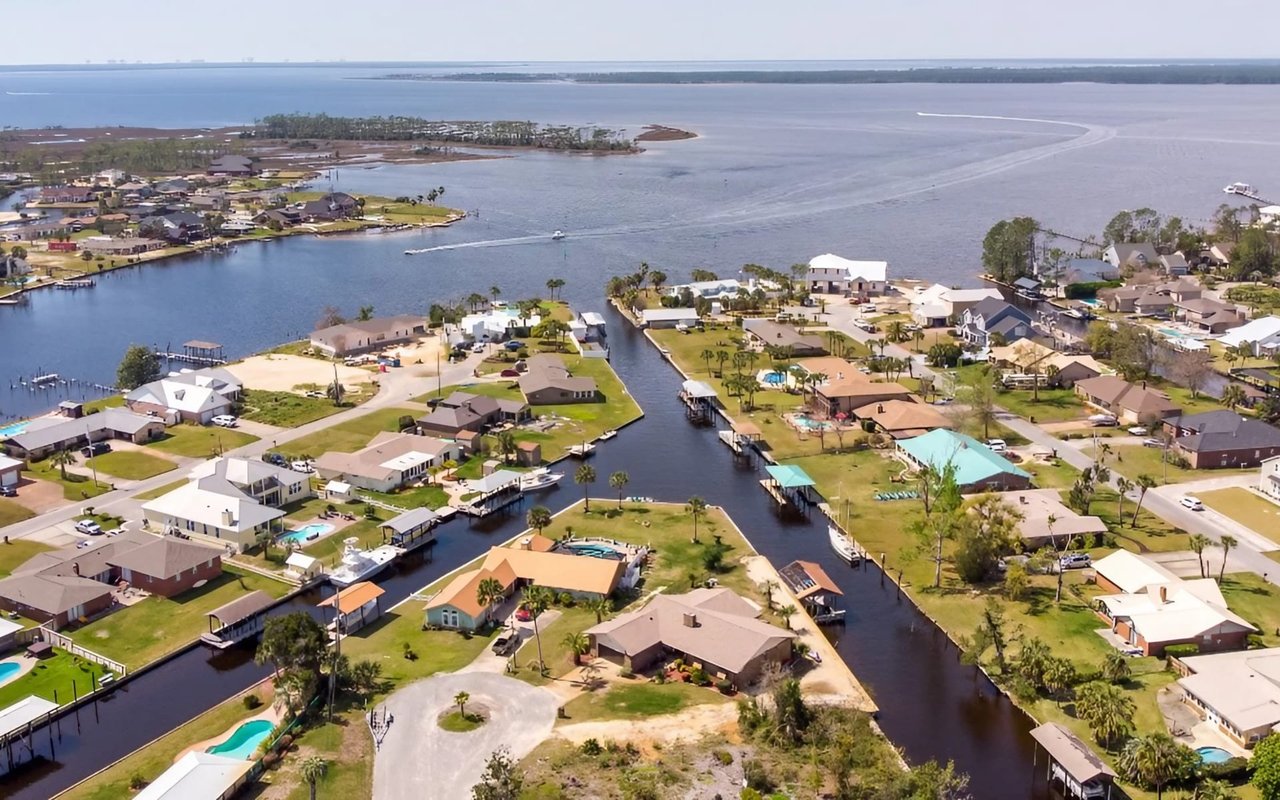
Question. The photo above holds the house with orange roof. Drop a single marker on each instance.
(902, 419)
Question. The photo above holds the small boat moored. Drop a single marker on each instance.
(606, 436)
(582, 450)
(1240, 188)
(843, 545)
(558, 235)
(538, 479)
(359, 565)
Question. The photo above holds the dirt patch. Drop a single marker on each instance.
(662, 133)
(276, 372)
(690, 725)
(40, 496)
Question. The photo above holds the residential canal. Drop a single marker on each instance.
(931, 705)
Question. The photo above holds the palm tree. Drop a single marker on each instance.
(475, 300)
(1115, 667)
(1227, 542)
(313, 769)
(721, 357)
(488, 593)
(494, 292)
(1106, 709)
(62, 459)
(460, 700)
(1198, 542)
(584, 477)
(918, 337)
(1123, 487)
(538, 518)
(787, 612)
(1145, 482)
(1233, 396)
(577, 644)
(507, 444)
(707, 356)
(897, 331)
(1152, 760)
(619, 481)
(335, 391)
(535, 600)
(598, 606)
(766, 589)
(696, 507)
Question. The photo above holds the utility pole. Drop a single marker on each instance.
(337, 652)
(92, 466)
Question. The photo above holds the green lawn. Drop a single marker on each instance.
(1058, 475)
(433, 651)
(554, 652)
(457, 722)
(1132, 460)
(110, 401)
(639, 700)
(57, 674)
(198, 441)
(18, 551)
(156, 626)
(1054, 405)
(1249, 509)
(586, 420)
(150, 761)
(1256, 600)
(418, 496)
(152, 494)
(285, 409)
(131, 464)
(349, 436)
(347, 746)
(12, 511)
(74, 487)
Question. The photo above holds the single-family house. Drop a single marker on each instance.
(770, 336)
(56, 600)
(1222, 439)
(389, 462)
(1036, 507)
(714, 628)
(709, 290)
(938, 305)
(67, 194)
(190, 396)
(278, 217)
(496, 325)
(1137, 255)
(463, 411)
(993, 317)
(831, 274)
(1059, 369)
(122, 246)
(1088, 270)
(1128, 402)
(901, 419)
(1261, 334)
(547, 381)
(977, 467)
(1153, 608)
(199, 776)
(359, 336)
(167, 566)
(1219, 253)
(1174, 264)
(668, 318)
(1238, 693)
(211, 200)
(231, 166)
(333, 206)
(215, 509)
(44, 435)
(1208, 314)
(266, 483)
(354, 607)
(838, 395)
(1269, 478)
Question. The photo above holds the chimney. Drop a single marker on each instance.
(75, 567)
(1164, 594)
(227, 519)
(880, 408)
(690, 620)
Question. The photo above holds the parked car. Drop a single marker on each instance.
(942, 401)
(513, 345)
(478, 347)
(869, 308)
(275, 458)
(506, 644)
(95, 449)
(997, 445)
(302, 466)
(89, 526)
(1192, 503)
(509, 373)
(1138, 430)
(8, 491)
(1103, 421)
(524, 615)
(1150, 442)
(224, 420)
(1075, 561)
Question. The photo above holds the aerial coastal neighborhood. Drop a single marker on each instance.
(420, 527)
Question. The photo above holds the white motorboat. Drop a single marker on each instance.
(358, 565)
(607, 435)
(537, 479)
(582, 450)
(843, 545)
(1240, 188)
(558, 235)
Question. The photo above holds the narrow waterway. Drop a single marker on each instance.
(931, 705)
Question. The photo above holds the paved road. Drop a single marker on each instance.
(417, 760)
(397, 387)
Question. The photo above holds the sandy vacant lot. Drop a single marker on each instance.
(420, 357)
(280, 373)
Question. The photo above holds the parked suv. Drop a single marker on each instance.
(95, 449)
(505, 644)
(1192, 503)
(1075, 561)
(89, 526)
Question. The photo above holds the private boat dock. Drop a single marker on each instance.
(205, 354)
(496, 491)
(790, 487)
(413, 529)
(699, 402)
(815, 590)
(744, 440)
(71, 284)
(241, 619)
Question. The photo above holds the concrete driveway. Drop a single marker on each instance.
(417, 760)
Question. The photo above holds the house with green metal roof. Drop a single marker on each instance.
(978, 467)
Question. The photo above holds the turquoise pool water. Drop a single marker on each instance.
(301, 535)
(13, 429)
(595, 551)
(243, 741)
(1093, 303)
(775, 379)
(810, 424)
(1171, 332)
(1213, 755)
(8, 669)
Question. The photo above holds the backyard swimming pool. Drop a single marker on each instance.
(13, 429)
(774, 378)
(1213, 755)
(8, 669)
(594, 551)
(810, 424)
(313, 531)
(1171, 332)
(244, 740)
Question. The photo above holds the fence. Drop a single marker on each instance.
(66, 643)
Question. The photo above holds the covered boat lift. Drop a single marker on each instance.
(1080, 771)
(790, 486)
(744, 440)
(238, 620)
(699, 402)
(497, 490)
(411, 530)
(815, 590)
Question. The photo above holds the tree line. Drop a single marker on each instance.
(504, 133)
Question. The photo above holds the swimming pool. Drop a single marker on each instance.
(313, 531)
(774, 378)
(13, 429)
(1213, 755)
(810, 424)
(595, 551)
(8, 669)
(1092, 303)
(1170, 332)
(244, 740)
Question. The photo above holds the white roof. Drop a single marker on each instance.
(301, 561)
(593, 318)
(8, 463)
(337, 487)
(204, 502)
(498, 321)
(663, 314)
(197, 776)
(1270, 211)
(1257, 330)
(406, 461)
(866, 270)
(8, 626)
(1243, 687)
(246, 471)
(494, 481)
(1180, 616)
(28, 709)
(1132, 573)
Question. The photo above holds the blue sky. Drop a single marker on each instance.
(562, 30)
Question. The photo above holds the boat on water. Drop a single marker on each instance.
(538, 479)
(843, 545)
(558, 235)
(582, 450)
(358, 565)
(607, 435)
(1240, 188)
(635, 498)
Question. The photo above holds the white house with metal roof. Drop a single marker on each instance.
(832, 274)
(191, 396)
(199, 776)
(215, 509)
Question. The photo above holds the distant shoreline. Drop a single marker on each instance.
(1159, 74)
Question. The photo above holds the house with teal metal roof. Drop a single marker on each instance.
(978, 467)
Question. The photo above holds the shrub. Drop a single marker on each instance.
(724, 686)
(591, 747)
(409, 653)
(252, 701)
(1182, 650)
(270, 760)
(724, 757)
(565, 599)
(1230, 769)
(136, 781)
(756, 776)
(626, 673)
